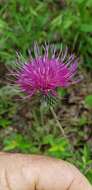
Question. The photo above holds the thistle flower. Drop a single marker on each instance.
(46, 71)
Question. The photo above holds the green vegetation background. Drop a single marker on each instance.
(26, 126)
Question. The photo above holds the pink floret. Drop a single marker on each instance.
(46, 74)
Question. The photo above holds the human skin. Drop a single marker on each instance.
(35, 172)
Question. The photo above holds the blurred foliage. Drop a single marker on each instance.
(21, 23)
(88, 100)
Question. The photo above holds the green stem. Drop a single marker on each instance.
(57, 121)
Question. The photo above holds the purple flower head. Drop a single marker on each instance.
(46, 71)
